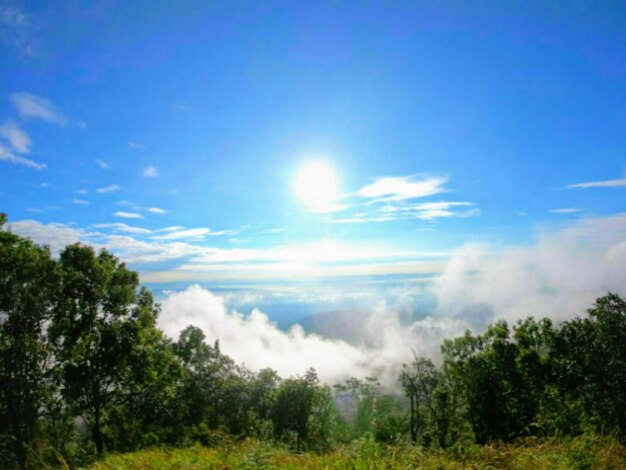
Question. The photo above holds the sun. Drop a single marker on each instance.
(317, 187)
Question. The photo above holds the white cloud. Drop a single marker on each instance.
(121, 227)
(15, 135)
(155, 210)
(81, 191)
(566, 210)
(599, 184)
(9, 156)
(401, 188)
(108, 189)
(102, 164)
(57, 236)
(149, 172)
(18, 142)
(80, 202)
(31, 106)
(173, 228)
(136, 146)
(560, 275)
(194, 233)
(128, 215)
(442, 209)
(16, 31)
(424, 211)
(255, 341)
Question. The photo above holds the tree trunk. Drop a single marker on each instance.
(96, 432)
(413, 424)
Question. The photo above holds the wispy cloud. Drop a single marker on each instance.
(173, 228)
(194, 233)
(399, 188)
(149, 172)
(80, 202)
(121, 227)
(17, 138)
(424, 211)
(566, 210)
(108, 189)
(9, 156)
(598, 184)
(156, 210)
(81, 191)
(128, 215)
(30, 106)
(102, 164)
(16, 141)
(136, 146)
(442, 209)
(16, 31)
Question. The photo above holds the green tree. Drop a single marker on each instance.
(101, 329)
(295, 400)
(590, 356)
(418, 379)
(28, 286)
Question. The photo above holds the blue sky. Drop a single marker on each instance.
(174, 133)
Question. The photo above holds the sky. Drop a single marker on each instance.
(446, 163)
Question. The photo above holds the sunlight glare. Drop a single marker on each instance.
(316, 186)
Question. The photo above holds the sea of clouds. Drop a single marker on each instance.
(558, 276)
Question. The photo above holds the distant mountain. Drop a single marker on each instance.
(348, 325)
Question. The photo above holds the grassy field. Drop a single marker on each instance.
(585, 452)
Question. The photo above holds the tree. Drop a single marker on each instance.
(365, 395)
(294, 405)
(418, 380)
(28, 283)
(100, 330)
(590, 357)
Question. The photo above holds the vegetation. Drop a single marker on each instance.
(84, 372)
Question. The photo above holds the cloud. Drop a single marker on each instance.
(559, 275)
(173, 228)
(566, 210)
(436, 210)
(255, 341)
(17, 138)
(81, 191)
(101, 164)
(121, 227)
(402, 211)
(16, 31)
(108, 189)
(155, 210)
(149, 172)
(598, 184)
(136, 146)
(128, 215)
(80, 202)
(9, 156)
(31, 106)
(18, 142)
(56, 236)
(194, 233)
(401, 188)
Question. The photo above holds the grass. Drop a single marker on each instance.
(584, 452)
